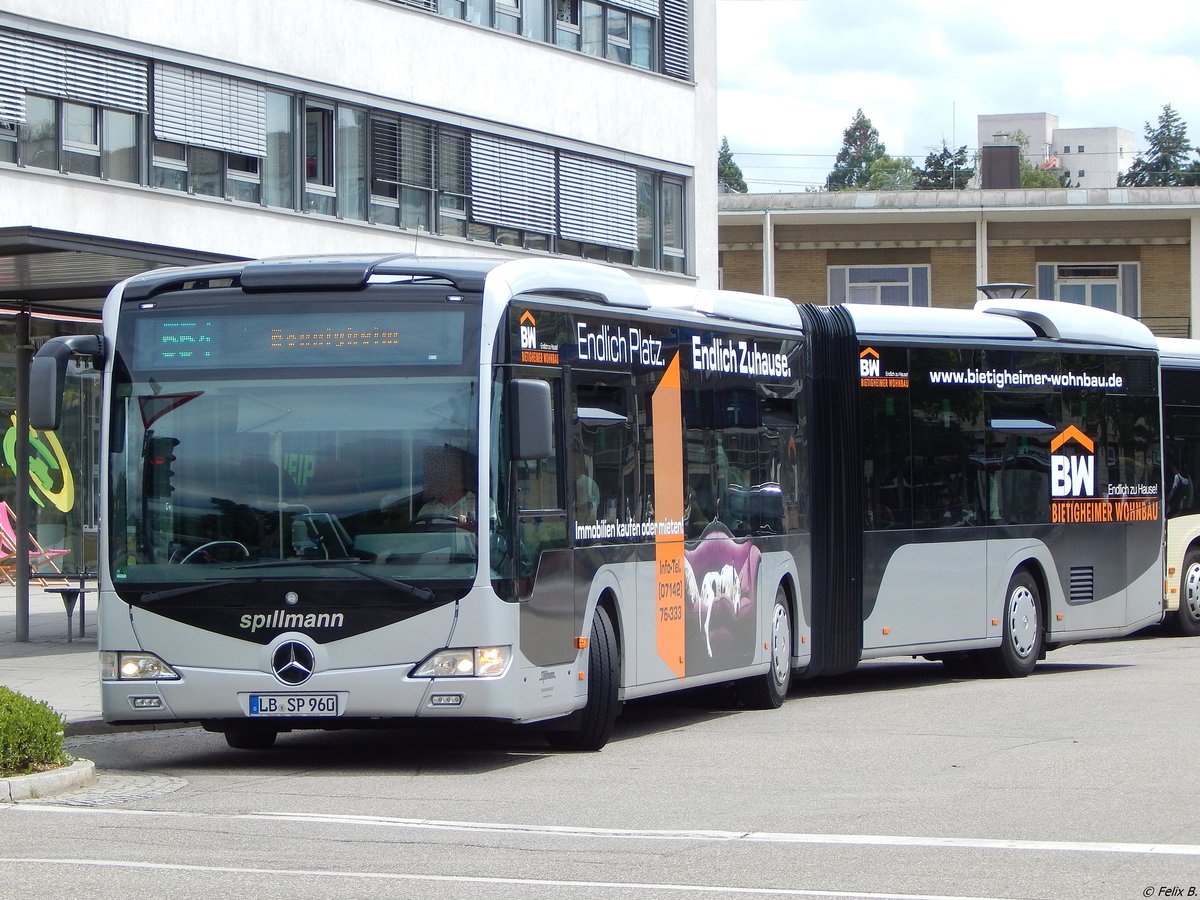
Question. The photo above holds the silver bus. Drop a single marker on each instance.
(351, 491)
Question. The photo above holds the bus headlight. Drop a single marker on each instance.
(465, 662)
(128, 666)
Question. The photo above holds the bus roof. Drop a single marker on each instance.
(1007, 319)
(916, 321)
(605, 284)
(1180, 351)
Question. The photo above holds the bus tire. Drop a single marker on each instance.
(1021, 646)
(591, 727)
(768, 691)
(244, 737)
(1187, 620)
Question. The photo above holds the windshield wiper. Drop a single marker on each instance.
(349, 564)
(155, 596)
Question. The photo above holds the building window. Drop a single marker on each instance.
(641, 42)
(319, 196)
(279, 165)
(81, 139)
(1067, 148)
(1079, 148)
(453, 181)
(879, 285)
(168, 166)
(8, 142)
(1082, 172)
(206, 169)
(40, 132)
(120, 154)
(616, 35)
(661, 232)
(351, 157)
(1111, 286)
(243, 178)
(674, 232)
(402, 173)
(566, 23)
(508, 15)
(206, 172)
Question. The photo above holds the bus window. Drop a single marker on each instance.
(604, 463)
(540, 519)
(887, 458)
(948, 487)
(1018, 455)
(700, 459)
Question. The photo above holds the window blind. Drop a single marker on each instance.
(402, 152)
(645, 7)
(208, 110)
(676, 39)
(512, 183)
(35, 65)
(597, 201)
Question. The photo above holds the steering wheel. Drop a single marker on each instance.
(210, 544)
(462, 522)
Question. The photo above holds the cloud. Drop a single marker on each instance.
(791, 73)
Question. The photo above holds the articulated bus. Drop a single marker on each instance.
(1180, 361)
(343, 492)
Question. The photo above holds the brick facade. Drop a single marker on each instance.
(848, 230)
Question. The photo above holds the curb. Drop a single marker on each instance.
(79, 774)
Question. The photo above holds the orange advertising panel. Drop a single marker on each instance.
(668, 507)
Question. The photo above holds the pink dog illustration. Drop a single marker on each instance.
(720, 577)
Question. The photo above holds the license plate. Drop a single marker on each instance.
(294, 705)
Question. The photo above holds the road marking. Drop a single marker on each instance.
(765, 837)
(624, 886)
(761, 837)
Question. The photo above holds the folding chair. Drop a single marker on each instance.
(39, 556)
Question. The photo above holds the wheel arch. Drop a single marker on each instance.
(1037, 571)
(608, 601)
(791, 591)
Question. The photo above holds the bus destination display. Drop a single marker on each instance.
(291, 340)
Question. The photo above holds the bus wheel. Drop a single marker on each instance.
(591, 727)
(242, 737)
(767, 691)
(1187, 622)
(1022, 644)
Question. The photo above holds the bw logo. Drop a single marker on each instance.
(1072, 475)
(868, 364)
(528, 331)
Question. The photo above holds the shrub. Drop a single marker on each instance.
(31, 735)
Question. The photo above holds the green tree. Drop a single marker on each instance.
(860, 148)
(945, 170)
(1168, 157)
(729, 173)
(1035, 175)
(892, 173)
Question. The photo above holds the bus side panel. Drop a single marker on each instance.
(549, 618)
(1145, 574)
(1182, 532)
(928, 591)
(1085, 568)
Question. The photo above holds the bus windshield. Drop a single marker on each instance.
(227, 466)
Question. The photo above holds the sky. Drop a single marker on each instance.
(792, 73)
